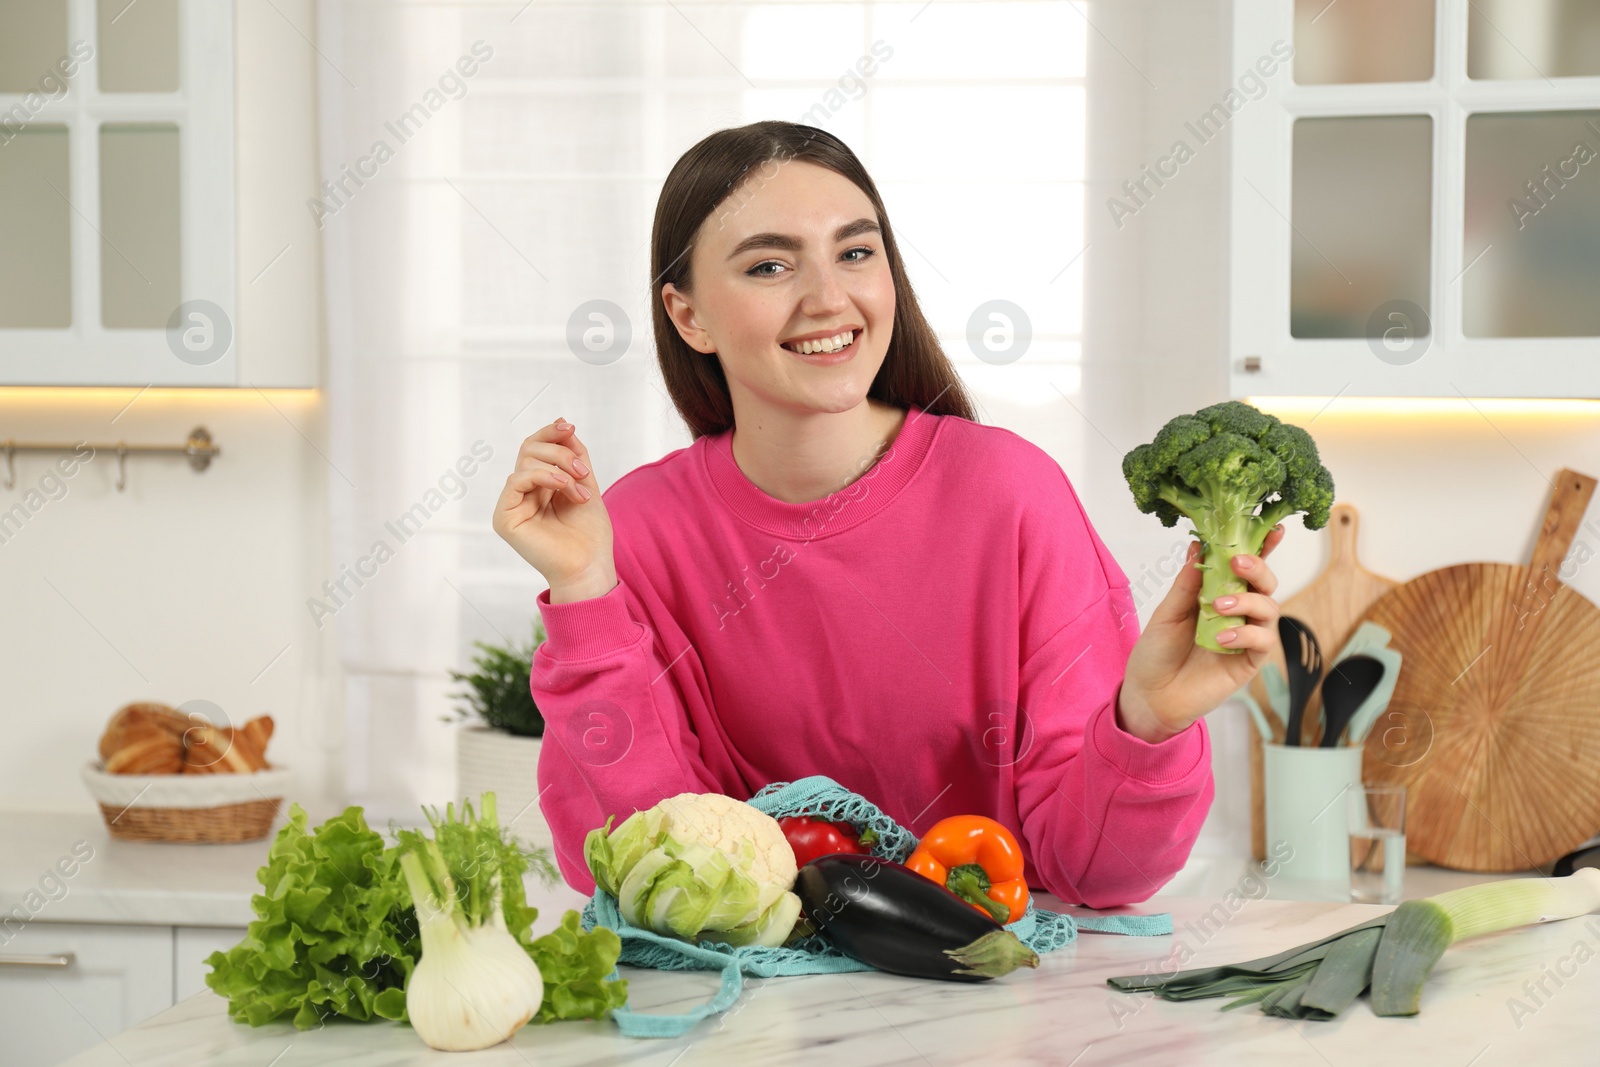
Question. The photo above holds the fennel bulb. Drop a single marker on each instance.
(475, 985)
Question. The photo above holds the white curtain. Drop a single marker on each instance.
(490, 168)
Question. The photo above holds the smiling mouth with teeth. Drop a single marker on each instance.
(822, 345)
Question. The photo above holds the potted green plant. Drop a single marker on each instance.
(497, 747)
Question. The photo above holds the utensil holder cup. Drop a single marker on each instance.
(1306, 808)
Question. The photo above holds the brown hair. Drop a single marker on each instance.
(915, 369)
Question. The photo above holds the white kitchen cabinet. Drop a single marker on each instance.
(65, 987)
(1385, 179)
(117, 196)
(154, 175)
(97, 981)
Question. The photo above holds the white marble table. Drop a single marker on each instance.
(1063, 1013)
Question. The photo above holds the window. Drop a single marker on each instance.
(557, 144)
(116, 193)
(1417, 212)
(460, 260)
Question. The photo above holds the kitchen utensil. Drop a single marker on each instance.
(1588, 856)
(1277, 707)
(1345, 688)
(1372, 640)
(1305, 671)
(1332, 605)
(1361, 723)
(1491, 727)
(1368, 636)
(1263, 727)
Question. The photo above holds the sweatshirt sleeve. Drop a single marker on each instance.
(617, 735)
(1108, 818)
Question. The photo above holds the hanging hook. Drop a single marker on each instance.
(199, 449)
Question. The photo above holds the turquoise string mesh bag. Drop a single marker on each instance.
(819, 797)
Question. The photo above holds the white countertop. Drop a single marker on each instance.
(1063, 1013)
(129, 881)
(211, 885)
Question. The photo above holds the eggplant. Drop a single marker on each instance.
(890, 917)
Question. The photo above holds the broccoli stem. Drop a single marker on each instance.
(1217, 579)
(1224, 535)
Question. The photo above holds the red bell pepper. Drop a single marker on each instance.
(810, 838)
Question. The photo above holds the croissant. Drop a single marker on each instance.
(260, 731)
(147, 748)
(221, 750)
(140, 716)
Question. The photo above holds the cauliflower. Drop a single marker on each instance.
(699, 866)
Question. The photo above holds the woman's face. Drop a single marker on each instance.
(795, 253)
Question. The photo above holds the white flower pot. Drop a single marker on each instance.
(494, 761)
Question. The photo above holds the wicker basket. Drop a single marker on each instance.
(190, 808)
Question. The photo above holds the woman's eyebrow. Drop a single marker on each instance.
(793, 244)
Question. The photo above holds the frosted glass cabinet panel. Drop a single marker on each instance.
(1533, 39)
(1403, 226)
(1362, 231)
(139, 225)
(138, 46)
(1533, 219)
(1343, 41)
(36, 221)
(33, 35)
(117, 191)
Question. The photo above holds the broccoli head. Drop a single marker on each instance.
(1235, 473)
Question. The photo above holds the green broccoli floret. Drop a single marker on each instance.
(1235, 473)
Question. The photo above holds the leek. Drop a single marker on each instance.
(1419, 931)
(1392, 954)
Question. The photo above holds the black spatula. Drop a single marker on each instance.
(1303, 657)
(1344, 690)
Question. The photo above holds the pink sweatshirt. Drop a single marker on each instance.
(945, 636)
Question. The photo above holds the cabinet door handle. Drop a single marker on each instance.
(58, 959)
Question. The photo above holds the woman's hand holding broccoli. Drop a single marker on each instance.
(1171, 681)
(1235, 473)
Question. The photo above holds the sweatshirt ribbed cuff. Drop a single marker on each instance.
(1163, 763)
(584, 629)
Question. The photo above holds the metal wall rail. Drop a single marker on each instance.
(198, 449)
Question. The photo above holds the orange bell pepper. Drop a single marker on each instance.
(979, 861)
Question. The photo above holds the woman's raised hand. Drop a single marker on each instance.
(550, 511)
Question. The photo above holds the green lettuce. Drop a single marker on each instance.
(574, 966)
(336, 933)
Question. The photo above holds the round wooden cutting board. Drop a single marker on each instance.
(1493, 726)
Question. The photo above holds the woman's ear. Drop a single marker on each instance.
(681, 312)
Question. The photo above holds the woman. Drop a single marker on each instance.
(845, 574)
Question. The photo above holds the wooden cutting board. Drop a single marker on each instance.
(1492, 726)
(1333, 605)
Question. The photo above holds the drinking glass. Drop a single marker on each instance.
(1377, 843)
